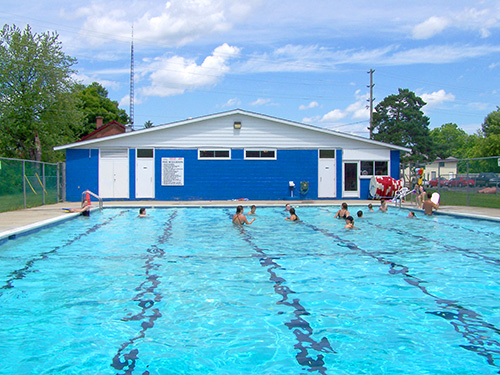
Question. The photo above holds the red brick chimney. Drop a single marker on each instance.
(98, 121)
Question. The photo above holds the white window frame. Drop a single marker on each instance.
(361, 175)
(200, 150)
(259, 150)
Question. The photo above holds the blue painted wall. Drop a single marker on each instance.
(239, 178)
(219, 179)
(82, 173)
(395, 162)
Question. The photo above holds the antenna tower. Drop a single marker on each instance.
(131, 111)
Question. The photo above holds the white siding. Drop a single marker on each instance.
(219, 132)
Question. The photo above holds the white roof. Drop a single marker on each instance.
(217, 131)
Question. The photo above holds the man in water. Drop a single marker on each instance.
(428, 205)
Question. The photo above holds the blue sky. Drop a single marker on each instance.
(304, 61)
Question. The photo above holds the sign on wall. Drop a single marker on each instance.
(172, 171)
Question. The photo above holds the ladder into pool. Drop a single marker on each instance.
(84, 195)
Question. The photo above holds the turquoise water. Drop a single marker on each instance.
(183, 291)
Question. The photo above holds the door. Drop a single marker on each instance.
(113, 174)
(351, 180)
(144, 174)
(327, 176)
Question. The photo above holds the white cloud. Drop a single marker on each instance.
(312, 104)
(232, 103)
(333, 116)
(87, 80)
(171, 23)
(436, 98)
(430, 27)
(174, 75)
(261, 101)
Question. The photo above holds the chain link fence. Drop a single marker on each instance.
(27, 183)
(460, 182)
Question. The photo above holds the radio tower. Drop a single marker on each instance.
(131, 111)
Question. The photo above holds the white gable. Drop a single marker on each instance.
(217, 131)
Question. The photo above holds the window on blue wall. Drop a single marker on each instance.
(374, 168)
(214, 154)
(145, 153)
(260, 154)
(327, 154)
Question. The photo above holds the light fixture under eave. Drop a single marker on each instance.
(237, 125)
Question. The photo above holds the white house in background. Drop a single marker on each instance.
(229, 155)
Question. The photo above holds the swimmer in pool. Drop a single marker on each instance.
(293, 216)
(239, 218)
(342, 213)
(142, 212)
(349, 223)
(252, 210)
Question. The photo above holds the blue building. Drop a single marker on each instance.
(228, 155)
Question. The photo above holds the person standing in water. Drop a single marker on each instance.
(239, 218)
(293, 216)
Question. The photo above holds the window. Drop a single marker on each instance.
(260, 154)
(114, 154)
(327, 154)
(145, 153)
(214, 154)
(374, 168)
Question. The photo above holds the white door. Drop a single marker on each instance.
(144, 178)
(113, 174)
(327, 175)
(351, 180)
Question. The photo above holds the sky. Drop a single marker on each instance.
(304, 61)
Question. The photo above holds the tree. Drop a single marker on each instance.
(398, 120)
(449, 140)
(148, 124)
(491, 123)
(36, 99)
(95, 102)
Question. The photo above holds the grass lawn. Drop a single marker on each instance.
(14, 202)
(459, 198)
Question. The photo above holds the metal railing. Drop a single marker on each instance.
(28, 183)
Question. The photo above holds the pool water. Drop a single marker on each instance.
(183, 291)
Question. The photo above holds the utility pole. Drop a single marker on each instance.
(131, 112)
(371, 101)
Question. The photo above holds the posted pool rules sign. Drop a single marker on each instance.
(172, 171)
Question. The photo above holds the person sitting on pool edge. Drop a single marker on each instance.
(342, 213)
(293, 216)
(349, 223)
(239, 218)
(428, 205)
(142, 212)
(84, 210)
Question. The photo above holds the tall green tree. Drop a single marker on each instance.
(449, 140)
(491, 123)
(36, 98)
(399, 120)
(95, 102)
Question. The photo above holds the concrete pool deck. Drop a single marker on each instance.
(26, 220)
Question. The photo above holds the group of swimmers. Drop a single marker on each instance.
(239, 217)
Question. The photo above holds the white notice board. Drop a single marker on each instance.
(172, 171)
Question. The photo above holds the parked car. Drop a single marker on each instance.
(442, 182)
(484, 178)
(460, 182)
(494, 181)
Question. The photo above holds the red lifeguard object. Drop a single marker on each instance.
(87, 198)
(384, 187)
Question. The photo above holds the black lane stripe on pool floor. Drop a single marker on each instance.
(127, 361)
(301, 328)
(464, 321)
(28, 268)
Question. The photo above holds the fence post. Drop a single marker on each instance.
(24, 184)
(57, 183)
(43, 183)
(467, 182)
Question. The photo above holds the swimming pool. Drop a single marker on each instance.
(183, 291)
